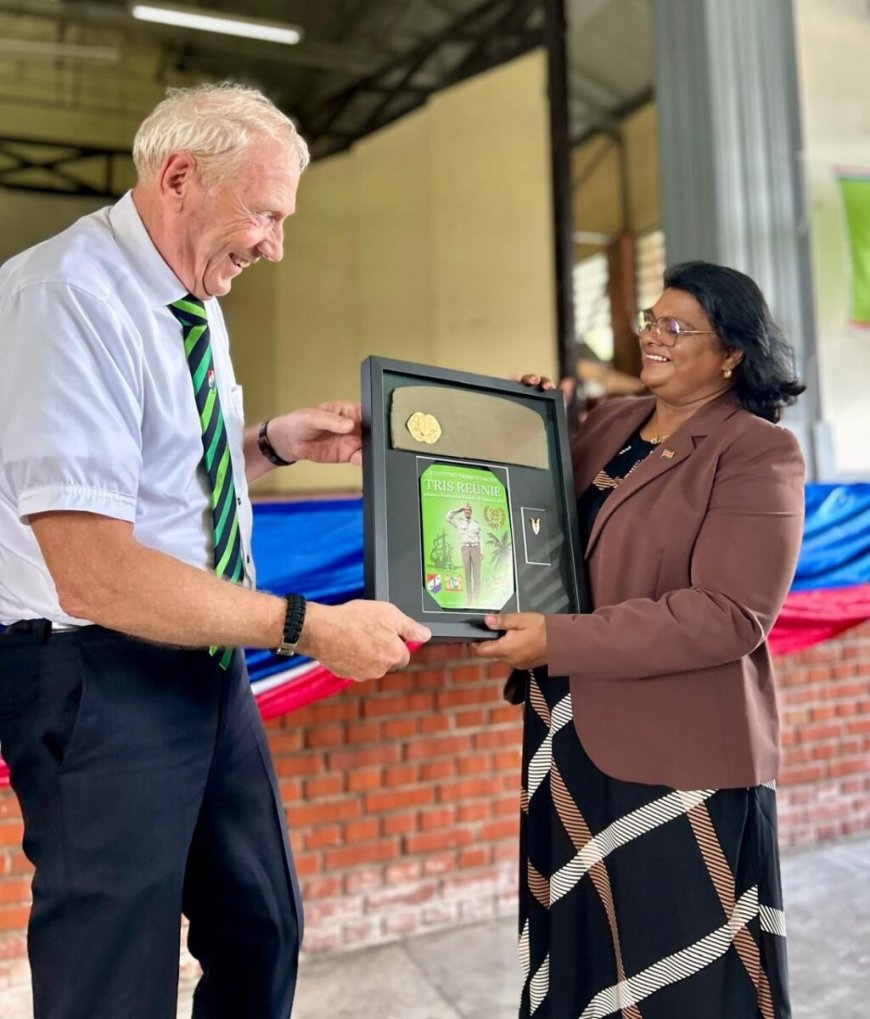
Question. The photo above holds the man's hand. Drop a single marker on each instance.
(524, 644)
(327, 433)
(361, 639)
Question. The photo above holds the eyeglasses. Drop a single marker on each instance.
(666, 329)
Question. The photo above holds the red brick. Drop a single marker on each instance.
(363, 732)
(362, 831)
(321, 888)
(469, 789)
(364, 880)
(297, 764)
(362, 757)
(13, 918)
(285, 741)
(398, 681)
(508, 713)
(499, 830)
(434, 723)
(401, 774)
(400, 728)
(319, 838)
(468, 674)
(404, 705)
(471, 719)
(399, 873)
(363, 779)
(435, 841)
(323, 736)
(396, 799)
(477, 857)
(16, 890)
(470, 812)
(499, 737)
(438, 818)
(433, 771)
(328, 785)
(428, 748)
(372, 852)
(474, 764)
(400, 824)
(309, 814)
(11, 833)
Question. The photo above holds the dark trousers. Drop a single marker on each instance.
(147, 790)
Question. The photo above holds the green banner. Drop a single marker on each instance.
(468, 555)
(855, 189)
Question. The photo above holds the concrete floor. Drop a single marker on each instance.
(472, 973)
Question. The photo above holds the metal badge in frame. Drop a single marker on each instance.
(468, 498)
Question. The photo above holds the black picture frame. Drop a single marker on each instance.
(393, 504)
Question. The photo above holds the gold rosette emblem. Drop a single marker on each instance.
(424, 427)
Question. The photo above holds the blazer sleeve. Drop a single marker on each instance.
(741, 568)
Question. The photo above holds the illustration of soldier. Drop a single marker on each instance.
(462, 518)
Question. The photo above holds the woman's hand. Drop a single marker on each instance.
(537, 381)
(524, 643)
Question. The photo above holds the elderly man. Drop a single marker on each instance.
(126, 582)
(472, 549)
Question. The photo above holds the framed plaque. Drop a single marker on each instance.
(468, 498)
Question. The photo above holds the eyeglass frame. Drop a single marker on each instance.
(646, 322)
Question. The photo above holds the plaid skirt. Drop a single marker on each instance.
(640, 901)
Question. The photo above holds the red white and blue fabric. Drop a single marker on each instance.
(316, 547)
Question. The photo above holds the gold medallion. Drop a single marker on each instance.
(424, 427)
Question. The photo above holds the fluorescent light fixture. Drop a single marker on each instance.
(214, 21)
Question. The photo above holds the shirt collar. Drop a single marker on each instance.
(158, 282)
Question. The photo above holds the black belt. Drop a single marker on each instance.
(40, 631)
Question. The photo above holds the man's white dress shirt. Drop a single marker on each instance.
(97, 411)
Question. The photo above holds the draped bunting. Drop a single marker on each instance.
(316, 547)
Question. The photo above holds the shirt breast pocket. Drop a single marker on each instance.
(237, 405)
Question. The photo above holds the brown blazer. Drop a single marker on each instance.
(689, 562)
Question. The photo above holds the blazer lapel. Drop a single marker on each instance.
(665, 457)
(598, 446)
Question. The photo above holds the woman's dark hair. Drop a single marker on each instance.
(765, 380)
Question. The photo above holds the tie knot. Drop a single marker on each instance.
(189, 310)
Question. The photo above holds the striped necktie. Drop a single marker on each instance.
(228, 556)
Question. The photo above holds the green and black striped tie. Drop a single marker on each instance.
(228, 554)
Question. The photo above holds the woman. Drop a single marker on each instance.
(650, 876)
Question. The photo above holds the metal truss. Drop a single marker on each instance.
(491, 34)
(30, 164)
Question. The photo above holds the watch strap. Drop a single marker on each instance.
(267, 449)
(294, 619)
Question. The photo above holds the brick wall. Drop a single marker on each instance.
(402, 795)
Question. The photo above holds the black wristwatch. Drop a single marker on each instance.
(293, 620)
(268, 450)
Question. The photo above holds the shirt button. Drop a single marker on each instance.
(248, 559)
(238, 500)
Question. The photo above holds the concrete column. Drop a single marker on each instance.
(731, 148)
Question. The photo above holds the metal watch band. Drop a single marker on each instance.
(267, 449)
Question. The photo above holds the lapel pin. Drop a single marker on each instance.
(667, 454)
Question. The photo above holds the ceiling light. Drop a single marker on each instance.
(214, 21)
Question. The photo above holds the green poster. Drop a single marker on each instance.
(468, 556)
(855, 189)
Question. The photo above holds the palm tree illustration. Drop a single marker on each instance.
(500, 549)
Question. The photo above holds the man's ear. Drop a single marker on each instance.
(176, 174)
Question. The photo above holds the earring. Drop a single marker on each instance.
(727, 372)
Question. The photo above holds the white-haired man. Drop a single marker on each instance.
(126, 582)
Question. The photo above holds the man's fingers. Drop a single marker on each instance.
(411, 630)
